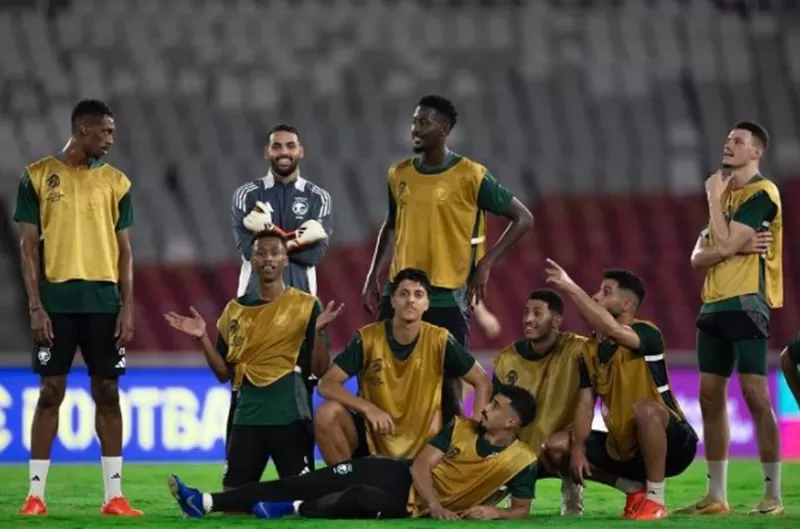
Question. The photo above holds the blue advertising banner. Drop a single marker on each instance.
(169, 414)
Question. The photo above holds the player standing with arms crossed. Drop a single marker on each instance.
(743, 285)
(437, 205)
(75, 213)
(286, 201)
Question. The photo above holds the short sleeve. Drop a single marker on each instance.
(650, 340)
(523, 485)
(442, 440)
(392, 211)
(493, 197)
(351, 359)
(758, 209)
(457, 360)
(126, 219)
(794, 349)
(26, 208)
(583, 373)
(222, 347)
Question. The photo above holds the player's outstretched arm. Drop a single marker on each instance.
(479, 380)
(598, 318)
(195, 326)
(791, 374)
(422, 477)
(517, 510)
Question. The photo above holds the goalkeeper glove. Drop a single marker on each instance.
(259, 219)
(308, 233)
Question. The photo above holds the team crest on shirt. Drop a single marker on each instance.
(53, 184)
(300, 207)
(511, 378)
(280, 320)
(233, 326)
(374, 372)
(343, 468)
(452, 452)
(441, 192)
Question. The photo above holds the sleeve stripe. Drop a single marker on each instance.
(240, 196)
(325, 198)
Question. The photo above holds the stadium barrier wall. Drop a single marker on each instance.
(179, 413)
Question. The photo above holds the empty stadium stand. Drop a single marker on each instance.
(605, 117)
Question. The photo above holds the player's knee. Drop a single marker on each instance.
(713, 394)
(51, 392)
(755, 393)
(105, 392)
(650, 412)
(329, 415)
(556, 449)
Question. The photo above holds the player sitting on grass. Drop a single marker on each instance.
(401, 364)
(462, 466)
(545, 363)
(790, 359)
(264, 338)
(648, 436)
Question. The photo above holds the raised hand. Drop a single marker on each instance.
(329, 315)
(557, 276)
(194, 326)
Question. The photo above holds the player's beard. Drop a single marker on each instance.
(283, 173)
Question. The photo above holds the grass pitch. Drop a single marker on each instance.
(74, 493)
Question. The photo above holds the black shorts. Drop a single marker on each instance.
(454, 320)
(681, 449)
(362, 448)
(250, 448)
(93, 334)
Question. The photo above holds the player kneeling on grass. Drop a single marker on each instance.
(648, 436)
(402, 364)
(464, 464)
(790, 359)
(266, 341)
(546, 364)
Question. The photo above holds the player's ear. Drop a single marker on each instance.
(557, 320)
(301, 152)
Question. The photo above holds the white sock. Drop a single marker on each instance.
(37, 473)
(718, 479)
(208, 503)
(296, 506)
(112, 476)
(772, 479)
(655, 492)
(628, 485)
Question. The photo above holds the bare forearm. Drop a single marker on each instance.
(321, 356)
(336, 392)
(29, 257)
(126, 276)
(381, 245)
(706, 257)
(423, 483)
(582, 422)
(214, 360)
(483, 394)
(718, 225)
(510, 237)
(598, 318)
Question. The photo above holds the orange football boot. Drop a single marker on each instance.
(33, 506)
(119, 506)
(649, 510)
(634, 499)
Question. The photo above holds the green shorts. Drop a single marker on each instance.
(733, 332)
(718, 357)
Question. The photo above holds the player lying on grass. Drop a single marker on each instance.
(545, 363)
(264, 339)
(648, 436)
(790, 359)
(463, 465)
(401, 364)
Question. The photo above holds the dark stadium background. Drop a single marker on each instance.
(604, 117)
